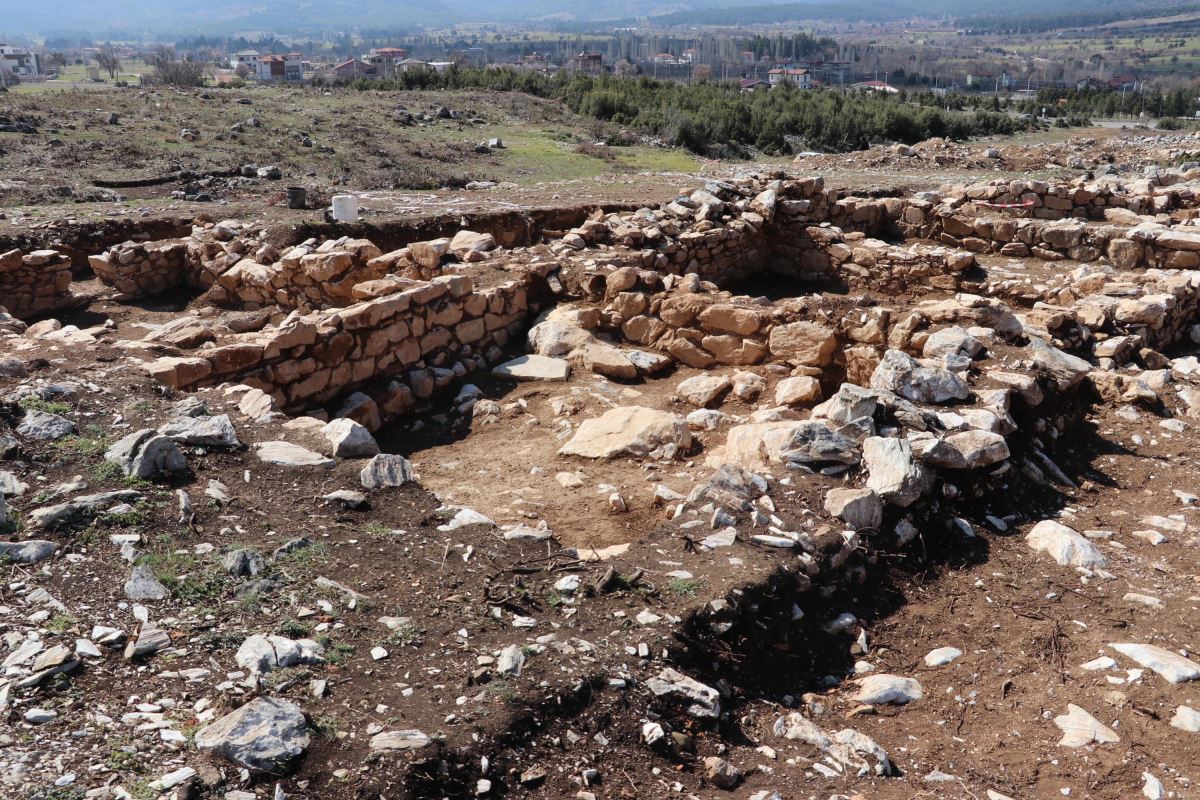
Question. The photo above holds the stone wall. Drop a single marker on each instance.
(396, 348)
(1147, 244)
(1095, 199)
(138, 269)
(35, 283)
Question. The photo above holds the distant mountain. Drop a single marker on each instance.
(294, 16)
(966, 12)
(225, 16)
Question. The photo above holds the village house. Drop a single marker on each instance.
(750, 84)
(247, 57)
(800, 78)
(470, 57)
(19, 61)
(353, 69)
(280, 67)
(535, 62)
(590, 63)
(412, 65)
(269, 67)
(385, 60)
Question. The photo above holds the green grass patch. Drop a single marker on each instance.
(186, 577)
(49, 406)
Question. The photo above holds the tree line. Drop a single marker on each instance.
(717, 118)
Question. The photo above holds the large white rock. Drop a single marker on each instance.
(799, 390)
(942, 656)
(262, 653)
(386, 470)
(562, 331)
(629, 430)
(858, 508)
(885, 689)
(1186, 719)
(147, 455)
(408, 739)
(951, 341)
(900, 373)
(215, 431)
(755, 446)
(1172, 666)
(1081, 728)
(700, 390)
(970, 449)
(1065, 369)
(1065, 545)
(894, 474)
(348, 439)
(702, 701)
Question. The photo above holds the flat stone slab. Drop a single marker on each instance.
(1172, 666)
(286, 454)
(28, 552)
(534, 368)
(1080, 728)
(399, 740)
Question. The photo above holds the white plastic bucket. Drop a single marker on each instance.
(345, 208)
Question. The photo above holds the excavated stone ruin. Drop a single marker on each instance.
(927, 355)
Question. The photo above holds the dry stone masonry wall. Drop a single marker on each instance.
(401, 346)
(139, 269)
(34, 283)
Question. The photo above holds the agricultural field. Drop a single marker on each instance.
(326, 141)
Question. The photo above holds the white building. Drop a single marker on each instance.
(19, 61)
(802, 78)
(269, 67)
(247, 57)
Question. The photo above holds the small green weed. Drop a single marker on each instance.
(685, 587)
(293, 629)
(106, 471)
(335, 652)
(408, 635)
